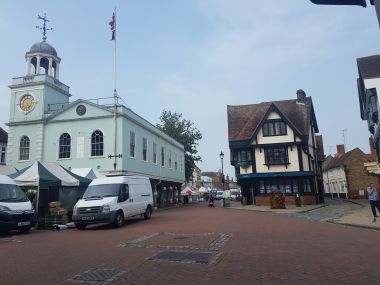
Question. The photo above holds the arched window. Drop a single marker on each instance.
(64, 146)
(24, 148)
(97, 145)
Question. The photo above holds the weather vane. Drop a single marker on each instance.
(44, 27)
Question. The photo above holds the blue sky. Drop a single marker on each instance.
(196, 57)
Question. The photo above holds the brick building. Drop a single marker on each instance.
(344, 175)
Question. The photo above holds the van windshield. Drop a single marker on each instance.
(99, 191)
(12, 193)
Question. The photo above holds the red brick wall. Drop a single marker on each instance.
(357, 178)
(289, 200)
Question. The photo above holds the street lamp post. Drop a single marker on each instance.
(221, 158)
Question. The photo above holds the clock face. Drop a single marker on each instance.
(81, 110)
(27, 103)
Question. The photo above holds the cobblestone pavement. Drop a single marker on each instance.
(195, 244)
(335, 209)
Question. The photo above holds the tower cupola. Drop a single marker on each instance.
(42, 58)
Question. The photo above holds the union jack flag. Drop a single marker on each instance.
(113, 26)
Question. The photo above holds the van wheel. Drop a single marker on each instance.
(24, 229)
(148, 213)
(80, 226)
(119, 219)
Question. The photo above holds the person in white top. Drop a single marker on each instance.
(373, 197)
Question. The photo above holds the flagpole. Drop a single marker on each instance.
(114, 91)
(114, 61)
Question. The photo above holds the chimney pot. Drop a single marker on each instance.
(301, 95)
(340, 150)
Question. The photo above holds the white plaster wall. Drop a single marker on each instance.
(262, 168)
(275, 139)
(334, 179)
(246, 170)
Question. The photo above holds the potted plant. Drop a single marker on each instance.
(277, 200)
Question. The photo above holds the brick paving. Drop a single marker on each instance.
(254, 248)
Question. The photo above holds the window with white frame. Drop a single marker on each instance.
(175, 162)
(132, 144)
(97, 143)
(3, 151)
(144, 148)
(170, 159)
(64, 146)
(162, 156)
(24, 148)
(154, 153)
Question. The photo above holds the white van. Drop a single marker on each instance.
(16, 211)
(113, 199)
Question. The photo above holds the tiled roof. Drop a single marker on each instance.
(210, 174)
(3, 136)
(341, 161)
(244, 120)
(369, 67)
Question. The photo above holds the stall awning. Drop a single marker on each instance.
(276, 175)
(48, 174)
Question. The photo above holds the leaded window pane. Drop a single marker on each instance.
(145, 149)
(97, 143)
(24, 148)
(64, 146)
(132, 144)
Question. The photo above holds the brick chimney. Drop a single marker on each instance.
(372, 149)
(340, 150)
(301, 95)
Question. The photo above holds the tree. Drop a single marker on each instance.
(184, 132)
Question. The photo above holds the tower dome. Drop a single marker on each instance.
(43, 47)
(42, 58)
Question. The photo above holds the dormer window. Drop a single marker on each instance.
(274, 128)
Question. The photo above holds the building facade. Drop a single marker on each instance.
(343, 174)
(44, 125)
(274, 147)
(368, 88)
(196, 181)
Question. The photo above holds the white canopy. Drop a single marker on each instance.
(48, 174)
(188, 191)
(89, 173)
(202, 190)
(7, 169)
(6, 180)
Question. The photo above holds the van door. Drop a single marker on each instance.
(123, 200)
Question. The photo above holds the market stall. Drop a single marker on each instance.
(56, 189)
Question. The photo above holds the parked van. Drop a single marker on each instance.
(16, 211)
(113, 199)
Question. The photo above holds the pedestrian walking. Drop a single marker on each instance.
(373, 197)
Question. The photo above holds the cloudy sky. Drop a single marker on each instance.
(198, 56)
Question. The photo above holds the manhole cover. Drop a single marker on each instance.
(97, 275)
(187, 256)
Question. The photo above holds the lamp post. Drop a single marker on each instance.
(221, 155)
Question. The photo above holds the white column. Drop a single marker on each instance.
(38, 64)
(28, 66)
(57, 70)
(50, 66)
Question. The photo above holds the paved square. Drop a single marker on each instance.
(169, 240)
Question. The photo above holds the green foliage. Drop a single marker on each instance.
(183, 131)
(30, 195)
